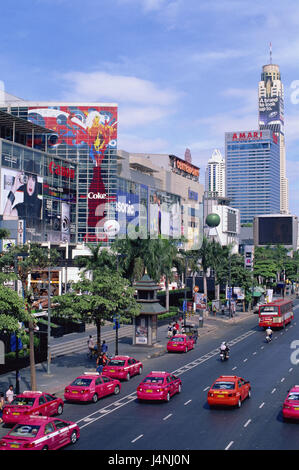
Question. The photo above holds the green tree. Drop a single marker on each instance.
(98, 299)
(34, 257)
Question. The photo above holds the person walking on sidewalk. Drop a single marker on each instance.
(100, 363)
(169, 330)
(9, 394)
(104, 347)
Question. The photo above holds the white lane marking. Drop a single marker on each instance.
(234, 368)
(274, 390)
(290, 370)
(136, 438)
(254, 353)
(166, 417)
(186, 403)
(262, 347)
(247, 422)
(205, 389)
(262, 404)
(282, 379)
(245, 360)
(229, 445)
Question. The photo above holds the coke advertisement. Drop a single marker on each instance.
(88, 134)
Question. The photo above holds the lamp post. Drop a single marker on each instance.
(49, 313)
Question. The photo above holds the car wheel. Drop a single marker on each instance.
(168, 396)
(95, 398)
(60, 410)
(116, 390)
(128, 377)
(73, 437)
(239, 403)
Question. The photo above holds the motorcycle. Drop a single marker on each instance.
(269, 338)
(224, 355)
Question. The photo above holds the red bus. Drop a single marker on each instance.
(277, 313)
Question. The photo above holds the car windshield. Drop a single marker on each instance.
(293, 396)
(177, 340)
(153, 380)
(224, 386)
(116, 362)
(24, 430)
(23, 401)
(81, 382)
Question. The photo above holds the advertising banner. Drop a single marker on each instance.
(270, 110)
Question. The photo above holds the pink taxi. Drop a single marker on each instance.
(290, 408)
(159, 385)
(122, 367)
(32, 403)
(90, 387)
(180, 343)
(40, 433)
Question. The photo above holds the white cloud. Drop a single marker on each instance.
(132, 117)
(101, 86)
(138, 144)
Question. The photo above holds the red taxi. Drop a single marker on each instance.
(90, 387)
(290, 409)
(40, 433)
(122, 367)
(32, 403)
(181, 343)
(229, 390)
(159, 386)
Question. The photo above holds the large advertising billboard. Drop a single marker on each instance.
(271, 110)
(164, 215)
(275, 230)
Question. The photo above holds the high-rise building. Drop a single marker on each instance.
(215, 174)
(253, 172)
(271, 116)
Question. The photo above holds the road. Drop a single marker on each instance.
(186, 422)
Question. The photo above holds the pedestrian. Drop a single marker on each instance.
(91, 346)
(214, 310)
(104, 347)
(174, 330)
(9, 396)
(177, 327)
(2, 403)
(169, 330)
(100, 363)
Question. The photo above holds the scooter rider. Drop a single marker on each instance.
(269, 333)
(224, 348)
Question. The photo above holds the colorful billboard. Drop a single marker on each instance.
(87, 134)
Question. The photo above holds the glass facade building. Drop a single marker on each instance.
(253, 172)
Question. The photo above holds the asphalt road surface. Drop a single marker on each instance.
(187, 422)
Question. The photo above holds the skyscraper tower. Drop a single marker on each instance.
(215, 174)
(271, 116)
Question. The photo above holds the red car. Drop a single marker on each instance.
(159, 386)
(40, 433)
(182, 343)
(90, 387)
(32, 403)
(290, 409)
(122, 367)
(229, 390)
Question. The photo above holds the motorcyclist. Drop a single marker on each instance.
(224, 348)
(269, 333)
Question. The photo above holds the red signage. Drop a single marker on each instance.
(275, 138)
(61, 170)
(248, 135)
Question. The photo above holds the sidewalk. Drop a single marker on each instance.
(64, 369)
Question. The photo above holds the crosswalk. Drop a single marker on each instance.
(80, 344)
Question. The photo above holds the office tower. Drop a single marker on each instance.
(271, 116)
(215, 174)
(253, 172)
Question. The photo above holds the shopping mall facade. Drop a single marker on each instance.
(83, 183)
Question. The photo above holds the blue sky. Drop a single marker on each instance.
(182, 72)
